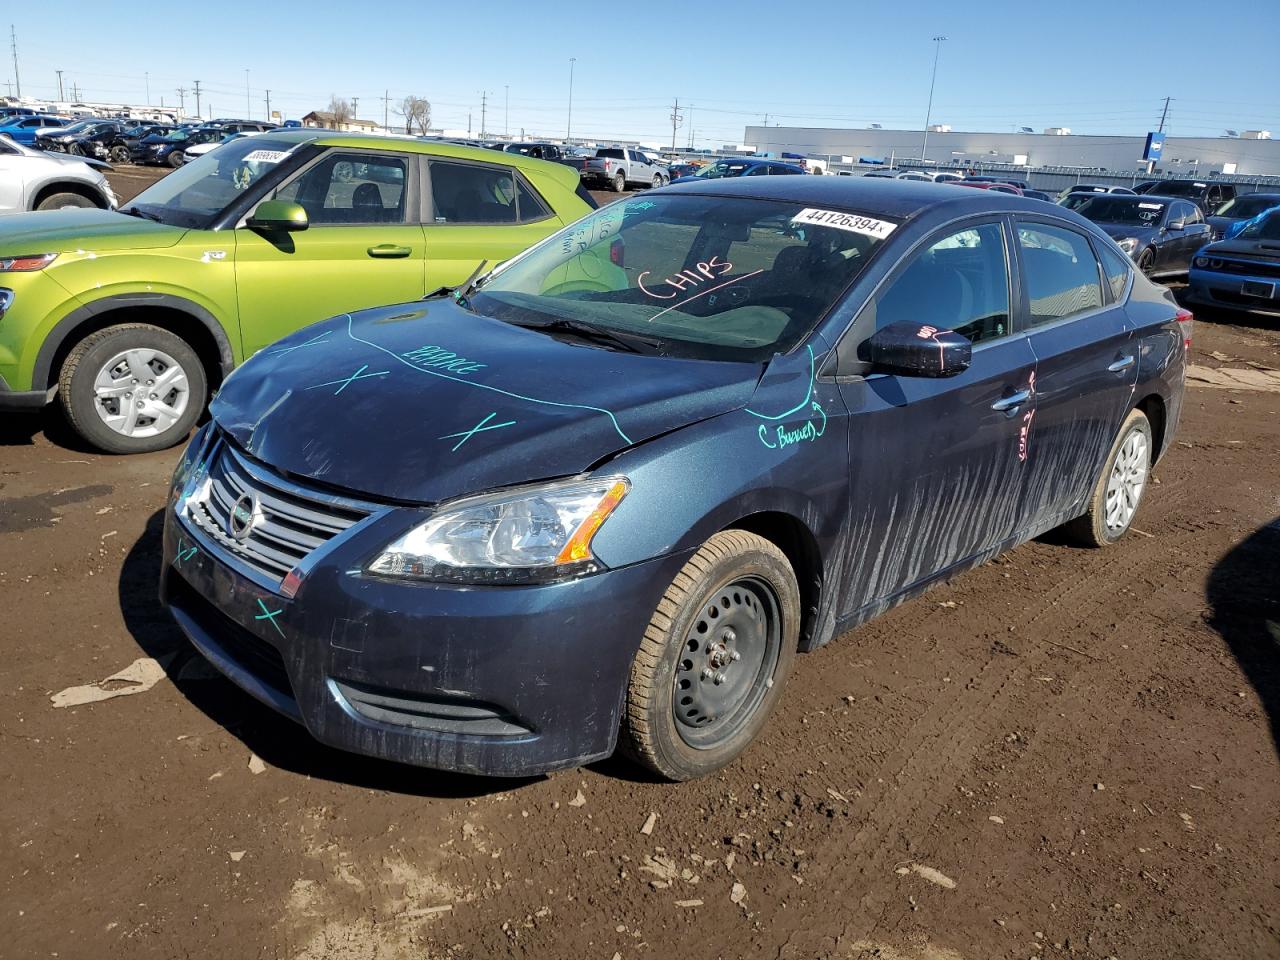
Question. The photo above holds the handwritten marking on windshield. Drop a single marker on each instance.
(686, 279)
(347, 381)
(478, 428)
(718, 286)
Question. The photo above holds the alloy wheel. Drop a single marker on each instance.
(1127, 480)
(141, 392)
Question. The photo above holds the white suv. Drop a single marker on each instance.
(35, 180)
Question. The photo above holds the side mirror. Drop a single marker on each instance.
(1177, 225)
(278, 216)
(916, 350)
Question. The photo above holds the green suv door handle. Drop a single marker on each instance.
(389, 251)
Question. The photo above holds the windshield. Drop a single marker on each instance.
(1178, 188)
(1128, 211)
(709, 278)
(1249, 205)
(77, 127)
(196, 191)
(1268, 228)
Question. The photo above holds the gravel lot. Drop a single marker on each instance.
(1062, 753)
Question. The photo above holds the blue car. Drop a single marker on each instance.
(1161, 234)
(1229, 218)
(22, 129)
(604, 495)
(741, 167)
(1242, 273)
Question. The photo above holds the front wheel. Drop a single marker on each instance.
(714, 658)
(59, 201)
(1115, 498)
(119, 154)
(657, 180)
(619, 182)
(176, 158)
(1146, 261)
(132, 388)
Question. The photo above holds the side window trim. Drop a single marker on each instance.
(1023, 324)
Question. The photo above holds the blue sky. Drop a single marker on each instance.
(806, 64)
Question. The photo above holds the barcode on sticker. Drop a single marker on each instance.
(265, 156)
(853, 222)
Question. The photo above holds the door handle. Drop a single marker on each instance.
(1124, 363)
(388, 251)
(1012, 402)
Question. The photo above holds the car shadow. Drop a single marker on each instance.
(276, 739)
(1244, 593)
(20, 429)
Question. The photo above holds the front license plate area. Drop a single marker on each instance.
(1256, 288)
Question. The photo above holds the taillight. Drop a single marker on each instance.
(1187, 318)
(617, 252)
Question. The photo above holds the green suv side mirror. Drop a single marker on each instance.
(278, 216)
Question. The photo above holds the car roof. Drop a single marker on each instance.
(871, 195)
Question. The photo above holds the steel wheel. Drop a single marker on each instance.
(141, 392)
(1126, 482)
(732, 649)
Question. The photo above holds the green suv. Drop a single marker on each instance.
(133, 318)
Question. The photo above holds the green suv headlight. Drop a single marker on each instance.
(27, 262)
(530, 535)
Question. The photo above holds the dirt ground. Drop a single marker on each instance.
(1065, 753)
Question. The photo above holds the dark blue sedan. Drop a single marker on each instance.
(1161, 234)
(742, 167)
(603, 496)
(1227, 220)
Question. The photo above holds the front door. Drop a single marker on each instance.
(479, 211)
(1086, 367)
(935, 474)
(364, 246)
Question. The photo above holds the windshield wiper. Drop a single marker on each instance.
(461, 292)
(630, 342)
(139, 212)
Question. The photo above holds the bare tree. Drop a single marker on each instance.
(416, 112)
(339, 112)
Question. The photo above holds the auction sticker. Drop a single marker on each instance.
(853, 222)
(265, 156)
(1151, 206)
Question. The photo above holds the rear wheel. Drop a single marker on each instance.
(132, 388)
(714, 659)
(1115, 498)
(619, 182)
(657, 180)
(57, 201)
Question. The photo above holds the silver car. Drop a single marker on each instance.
(34, 180)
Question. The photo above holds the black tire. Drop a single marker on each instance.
(175, 158)
(56, 201)
(79, 399)
(657, 180)
(736, 595)
(1146, 261)
(619, 182)
(75, 150)
(119, 154)
(1092, 529)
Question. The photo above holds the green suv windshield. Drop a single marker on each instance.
(711, 278)
(196, 192)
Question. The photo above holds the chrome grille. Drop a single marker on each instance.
(286, 521)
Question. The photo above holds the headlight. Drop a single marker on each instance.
(1127, 244)
(527, 536)
(1201, 262)
(26, 263)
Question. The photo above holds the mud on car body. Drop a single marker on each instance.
(603, 496)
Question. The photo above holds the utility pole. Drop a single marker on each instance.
(13, 43)
(75, 91)
(484, 103)
(59, 73)
(355, 108)
(146, 78)
(1164, 114)
(181, 92)
(197, 83)
(691, 126)
(506, 109)
(766, 119)
(928, 113)
(675, 122)
(268, 106)
(386, 109)
(568, 130)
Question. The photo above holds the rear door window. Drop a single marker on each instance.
(472, 193)
(1060, 272)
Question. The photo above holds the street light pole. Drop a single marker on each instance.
(248, 109)
(568, 132)
(506, 109)
(928, 114)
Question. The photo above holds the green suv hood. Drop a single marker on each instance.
(93, 231)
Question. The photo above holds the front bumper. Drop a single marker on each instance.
(1234, 291)
(505, 681)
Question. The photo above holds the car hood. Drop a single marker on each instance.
(1247, 249)
(64, 231)
(425, 401)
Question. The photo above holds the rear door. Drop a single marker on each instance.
(935, 475)
(478, 211)
(1086, 368)
(364, 246)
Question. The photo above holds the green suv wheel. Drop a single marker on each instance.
(132, 388)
